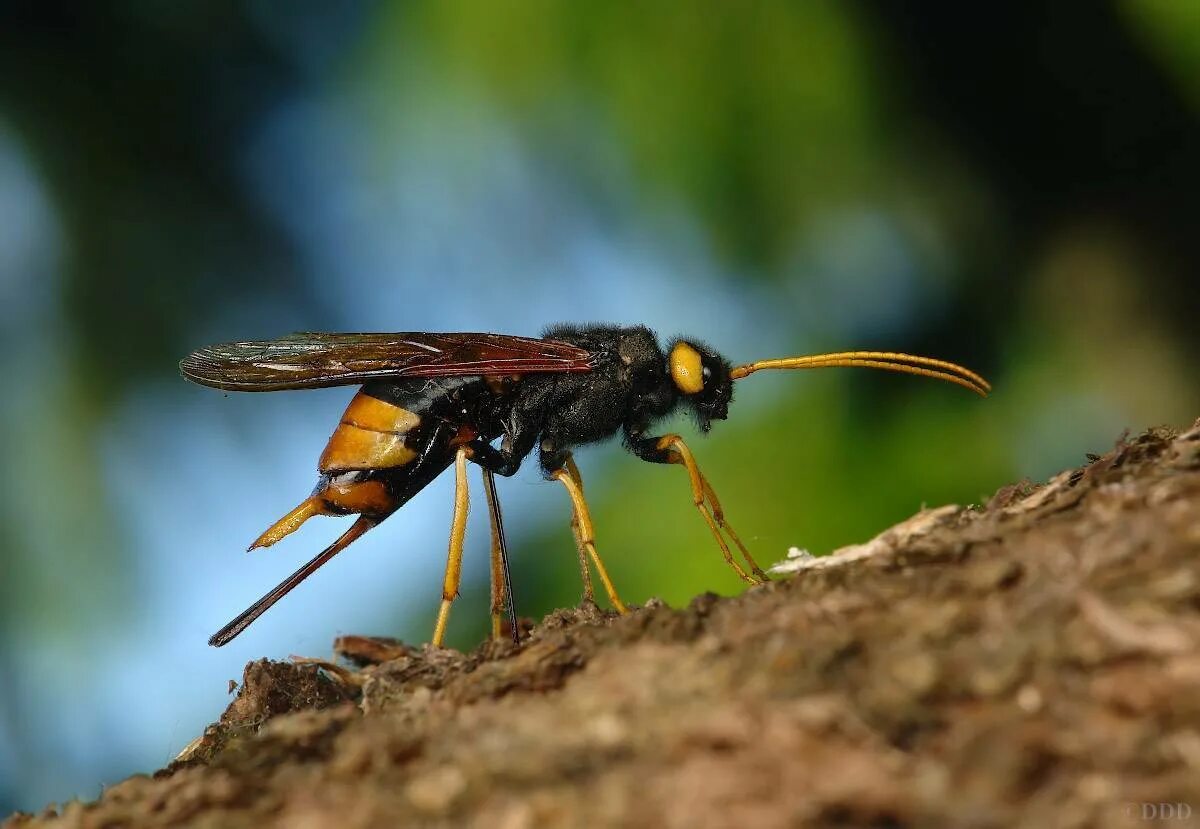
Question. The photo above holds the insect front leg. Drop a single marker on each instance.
(672, 449)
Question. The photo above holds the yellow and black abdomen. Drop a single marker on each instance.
(373, 434)
(368, 465)
(374, 439)
(393, 439)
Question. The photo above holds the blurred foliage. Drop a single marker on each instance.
(1019, 196)
(707, 102)
(1172, 32)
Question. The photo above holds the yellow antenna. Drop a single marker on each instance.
(885, 360)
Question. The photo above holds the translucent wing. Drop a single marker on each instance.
(314, 360)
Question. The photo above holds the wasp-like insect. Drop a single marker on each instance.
(429, 401)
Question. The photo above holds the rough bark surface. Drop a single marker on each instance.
(1032, 662)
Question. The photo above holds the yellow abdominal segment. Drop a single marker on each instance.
(371, 436)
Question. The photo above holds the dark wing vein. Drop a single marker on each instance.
(312, 360)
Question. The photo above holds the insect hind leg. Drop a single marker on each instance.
(458, 531)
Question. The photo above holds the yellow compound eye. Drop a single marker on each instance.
(687, 370)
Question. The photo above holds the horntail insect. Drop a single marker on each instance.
(431, 401)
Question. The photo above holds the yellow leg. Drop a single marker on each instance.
(706, 502)
(458, 529)
(582, 523)
(499, 582)
(589, 594)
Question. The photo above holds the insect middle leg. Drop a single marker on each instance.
(559, 466)
(458, 530)
(589, 594)
(581, 527)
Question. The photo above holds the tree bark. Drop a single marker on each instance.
(1035, 661)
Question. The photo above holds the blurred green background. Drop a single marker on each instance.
(1014, 188)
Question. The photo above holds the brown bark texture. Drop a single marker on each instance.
(1034, 662)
